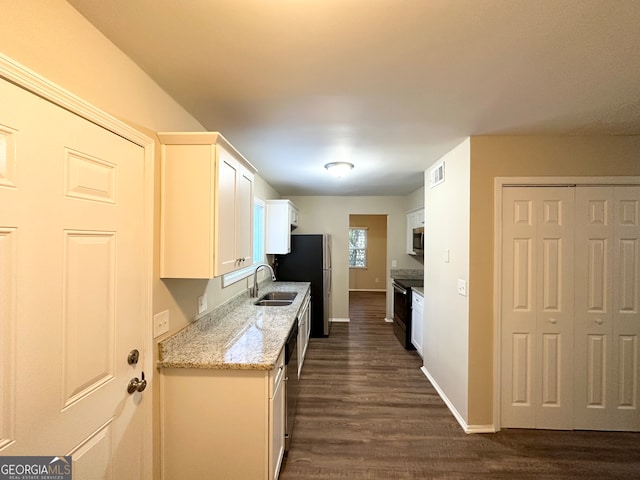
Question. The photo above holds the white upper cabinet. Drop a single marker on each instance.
(281, 218)
(206, 206)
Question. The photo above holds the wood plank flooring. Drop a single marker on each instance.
(366, 411)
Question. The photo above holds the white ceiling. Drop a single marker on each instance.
(388, 85)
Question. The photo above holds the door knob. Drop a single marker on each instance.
(136, 385)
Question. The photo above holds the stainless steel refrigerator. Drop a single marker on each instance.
(310, 261)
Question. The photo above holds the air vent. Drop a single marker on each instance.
(436, 175)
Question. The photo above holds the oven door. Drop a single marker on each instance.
(402, 315)
(399, 305)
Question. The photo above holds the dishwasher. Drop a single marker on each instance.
(291, 384)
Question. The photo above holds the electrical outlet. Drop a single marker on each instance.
(202, 304)
(160, 323)
(394, 263)
(462, 287)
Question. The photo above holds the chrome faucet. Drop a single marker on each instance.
(254, 290)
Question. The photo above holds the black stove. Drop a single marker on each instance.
(402, 309)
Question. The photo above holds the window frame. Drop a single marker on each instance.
(364, 249)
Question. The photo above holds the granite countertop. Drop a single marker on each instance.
(237, 335)
(419, 290)
(409, 273)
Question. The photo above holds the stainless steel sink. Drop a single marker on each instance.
(279, 296)
(276, 299)
(273, 303)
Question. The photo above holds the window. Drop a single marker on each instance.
(258, 245)
(357, 248)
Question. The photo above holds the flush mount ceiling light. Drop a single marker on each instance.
(339, 169)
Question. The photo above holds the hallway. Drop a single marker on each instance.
(366, 411)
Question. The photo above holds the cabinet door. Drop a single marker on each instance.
(226, 212)
(293, 216)
(307, 314)
(277, 427)
(411, 223)
(278, 238)
(234, 207)
(417, 322)
(304, 324)
(244, 220)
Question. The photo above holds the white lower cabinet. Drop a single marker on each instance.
(277, 417)
(304, 331)
(417, 321)
(222, 423)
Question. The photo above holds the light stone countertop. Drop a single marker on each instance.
(413, 273)
(419, 290)
(238, 335)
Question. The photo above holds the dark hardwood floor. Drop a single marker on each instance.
(366, 411)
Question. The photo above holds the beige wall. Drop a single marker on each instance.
(446, 324)
(331, 215)
(374, 276)
(416, 198)
(510, 156)
(51, 38)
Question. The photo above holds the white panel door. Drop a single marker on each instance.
(607, 323)
(72, 288)
(537, 308)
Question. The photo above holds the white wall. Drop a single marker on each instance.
(415, 199)
(446, 314)
(331, 215)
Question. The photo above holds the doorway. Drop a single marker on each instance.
(368, 271)
(367, 261)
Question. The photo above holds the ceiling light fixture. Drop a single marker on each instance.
(339, 169)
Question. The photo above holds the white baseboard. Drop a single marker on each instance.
(388, 320)
(465, 427)
(340, 320)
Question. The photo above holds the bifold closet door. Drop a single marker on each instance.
(607, 321)
(537, 307)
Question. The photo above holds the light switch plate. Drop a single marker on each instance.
(160, 323)
(462, 287)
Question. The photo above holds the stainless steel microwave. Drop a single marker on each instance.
(418, 240)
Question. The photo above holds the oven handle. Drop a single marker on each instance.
(399, 289)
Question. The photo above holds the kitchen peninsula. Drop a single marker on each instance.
(222, 392)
